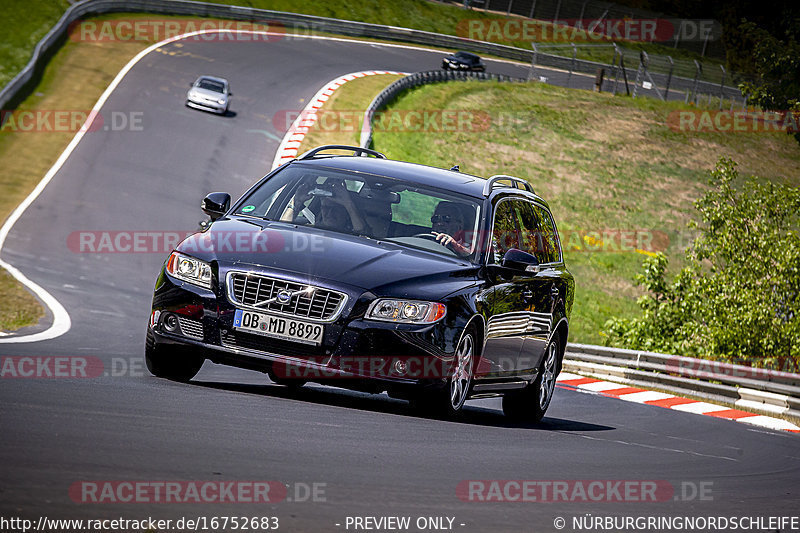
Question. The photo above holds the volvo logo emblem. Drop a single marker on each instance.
(284, 297)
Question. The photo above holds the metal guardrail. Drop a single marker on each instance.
(55, 36)
(415, 80)
(754, 389)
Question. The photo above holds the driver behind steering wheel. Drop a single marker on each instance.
(447, 224)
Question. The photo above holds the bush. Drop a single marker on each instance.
(736, 300)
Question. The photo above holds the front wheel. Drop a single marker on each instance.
(177, 363)
(450, 399)
(531, 403)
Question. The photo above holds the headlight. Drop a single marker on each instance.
(406, 311)
(221, 101)
(189, 269)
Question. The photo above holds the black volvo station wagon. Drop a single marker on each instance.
(361, 272)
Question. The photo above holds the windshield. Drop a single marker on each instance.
(375, 207)
(209, 85)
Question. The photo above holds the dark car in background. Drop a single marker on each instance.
(464, 61)
(376, 275)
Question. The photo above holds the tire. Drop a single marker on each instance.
(531, 403)
(178, 363)
(450, 399)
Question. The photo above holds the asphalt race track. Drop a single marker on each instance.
(368, 455)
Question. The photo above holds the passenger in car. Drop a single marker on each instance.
(447, 224)
(337, 211)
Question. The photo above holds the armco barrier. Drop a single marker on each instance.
(754, 389)
(54, 37)
(415, 80)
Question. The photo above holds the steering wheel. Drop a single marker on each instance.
(426, 236)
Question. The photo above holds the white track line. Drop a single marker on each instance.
(61, 320)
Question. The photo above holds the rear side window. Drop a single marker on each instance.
(550, 251)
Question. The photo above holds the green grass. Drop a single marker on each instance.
(602, 162)
(25, 22)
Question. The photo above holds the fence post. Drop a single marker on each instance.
(533, 8)
(531, 72)
(558, 10)
(613, 66)
(698, 68)
(572, 63)
(669, 77)
(510, 3)
(639, 71)
(624, 75)
(721, 86)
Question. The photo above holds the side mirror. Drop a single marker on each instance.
(230, 93)
(216, 204)
(518, 260)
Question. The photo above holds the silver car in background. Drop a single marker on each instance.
(210, 94)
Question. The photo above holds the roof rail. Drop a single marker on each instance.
(357, 150)
(517, 183)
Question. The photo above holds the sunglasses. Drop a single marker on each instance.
(441, 218)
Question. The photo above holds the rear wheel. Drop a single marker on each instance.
(531, 403)
(178, 363)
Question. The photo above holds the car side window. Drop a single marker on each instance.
(530, 236)
(550, 250)
(505, 232)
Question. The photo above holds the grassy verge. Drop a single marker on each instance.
(28, 21)
(604, 164)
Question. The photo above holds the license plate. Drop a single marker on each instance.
(278, 327)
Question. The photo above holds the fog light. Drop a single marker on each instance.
(401, 367)
(171, 323)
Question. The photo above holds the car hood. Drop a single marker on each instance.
(313, 254)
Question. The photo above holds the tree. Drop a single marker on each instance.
(736, 299)
(777, 69)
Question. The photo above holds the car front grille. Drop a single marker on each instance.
(307, 301)
(191, 328)
(249, 341)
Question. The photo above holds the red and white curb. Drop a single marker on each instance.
(660, 399)
(287, 150)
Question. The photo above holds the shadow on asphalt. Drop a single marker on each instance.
(479, 416)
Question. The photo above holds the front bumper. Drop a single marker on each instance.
(204, 105)
(386, 355)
